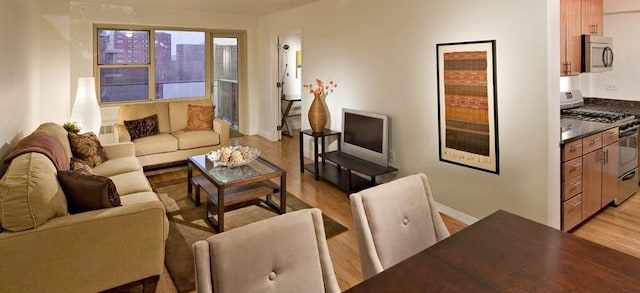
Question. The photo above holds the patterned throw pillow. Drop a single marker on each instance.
(80, 166)
(88, 192)
(87, 148)
(200, 117)
(142, 127)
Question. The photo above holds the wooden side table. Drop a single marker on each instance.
(315, 166)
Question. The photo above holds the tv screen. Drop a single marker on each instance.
(363, 131)
(365, 135)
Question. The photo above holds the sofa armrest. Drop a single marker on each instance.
(121, 133)
(86, 252)
(221, 127)
(120, 150)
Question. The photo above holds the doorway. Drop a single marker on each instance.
(225, 82)
(289, 84)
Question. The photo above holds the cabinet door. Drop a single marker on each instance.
(570, 36)
(592, 17)
(610, 173)
(591, 183)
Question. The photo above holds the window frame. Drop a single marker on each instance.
(209, 34)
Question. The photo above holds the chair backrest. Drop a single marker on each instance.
(286, 253)
(394, 221)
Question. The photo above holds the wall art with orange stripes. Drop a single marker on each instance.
(467, 104)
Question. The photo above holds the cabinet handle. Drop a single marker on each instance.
(606, 157)
(569, 68)
(575, 204)
(574, 147)
(578, 183)
(593, 141)
(573, 167)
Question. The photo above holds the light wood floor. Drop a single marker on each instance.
(618, 228)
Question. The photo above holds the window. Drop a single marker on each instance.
(174, 66)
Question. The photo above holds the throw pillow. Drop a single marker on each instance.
(87, 148)
(142, 127)
(200, 117)
(88, 192)
(80, 166)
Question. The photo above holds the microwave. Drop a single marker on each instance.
(597, 53)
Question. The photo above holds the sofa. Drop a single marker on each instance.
(173, 142)
(43, 248)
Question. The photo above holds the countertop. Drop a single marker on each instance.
(573, 129)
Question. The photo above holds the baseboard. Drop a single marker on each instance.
(456, 214)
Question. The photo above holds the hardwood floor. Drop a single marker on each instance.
(618, 228)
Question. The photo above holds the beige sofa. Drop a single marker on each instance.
(44, 249)
(174, 143)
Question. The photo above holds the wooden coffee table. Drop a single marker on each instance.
(233, 186)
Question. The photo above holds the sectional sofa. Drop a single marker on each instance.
(43, 248)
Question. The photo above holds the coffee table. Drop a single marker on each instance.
(226, 187)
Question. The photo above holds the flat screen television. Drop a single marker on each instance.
(365, 135)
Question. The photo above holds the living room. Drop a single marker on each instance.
(382, 53)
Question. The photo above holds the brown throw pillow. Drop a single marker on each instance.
(88, 192)
(200, 117)
(142, 127)
(80, 166)
(87, 148)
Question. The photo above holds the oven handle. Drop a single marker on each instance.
(629, 175)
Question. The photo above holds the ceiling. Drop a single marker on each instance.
(244, 7)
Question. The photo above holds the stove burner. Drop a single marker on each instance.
(595, 115)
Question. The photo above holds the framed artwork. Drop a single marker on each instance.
(467, 105)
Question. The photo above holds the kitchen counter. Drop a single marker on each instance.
(573, 129)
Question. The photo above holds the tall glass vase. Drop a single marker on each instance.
(317, 114)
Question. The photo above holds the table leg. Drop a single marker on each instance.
(283, 193)
(189, 177)
(220, 209)
(348, 182)
(284, 123)
(301, 151)
(315, 158)
(323, 151)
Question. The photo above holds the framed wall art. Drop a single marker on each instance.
(467, 104)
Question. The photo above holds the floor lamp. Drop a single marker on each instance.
(86, 111)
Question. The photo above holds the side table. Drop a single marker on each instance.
(315, 167)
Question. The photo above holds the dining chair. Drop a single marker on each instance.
(394, 221)
(285, 253)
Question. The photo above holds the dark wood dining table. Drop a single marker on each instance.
(508, 253)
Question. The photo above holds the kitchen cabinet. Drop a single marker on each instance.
(592, 17)
(577, 17)
(589, 178)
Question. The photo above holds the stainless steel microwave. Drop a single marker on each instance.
(597, 53)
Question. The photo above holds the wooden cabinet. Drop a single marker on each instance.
(592, 17)
(577, 17)
(590, 179)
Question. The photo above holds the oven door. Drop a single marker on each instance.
(628, 159)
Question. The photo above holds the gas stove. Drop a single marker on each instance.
(595, 115)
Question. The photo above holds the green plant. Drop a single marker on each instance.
(71, 127)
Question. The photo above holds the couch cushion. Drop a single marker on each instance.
(132, 182)
(118, 166)
(139, 197)
(29, 193)
(160, 143)
(87, 147)
(142, 127)
(178, 112)
(137, 111)
(88, 192)
(59, 132)
(200, 117)
(196, 139)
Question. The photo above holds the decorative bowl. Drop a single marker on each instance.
(233, 156)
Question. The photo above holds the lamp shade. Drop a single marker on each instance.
(86, 111)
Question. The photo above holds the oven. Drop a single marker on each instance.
(628, 161)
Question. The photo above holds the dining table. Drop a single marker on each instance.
(504, 252)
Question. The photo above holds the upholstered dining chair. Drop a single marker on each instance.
(286, 253)
(394, 221)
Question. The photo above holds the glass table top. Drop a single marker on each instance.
(223, 175)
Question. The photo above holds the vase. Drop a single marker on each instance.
(317, 114)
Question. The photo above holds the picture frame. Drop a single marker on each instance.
(467, 105)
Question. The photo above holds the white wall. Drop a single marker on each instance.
(383, 56)
(84, 15)
(35, 67)
(622, 23)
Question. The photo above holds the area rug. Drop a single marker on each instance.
(187, 223)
